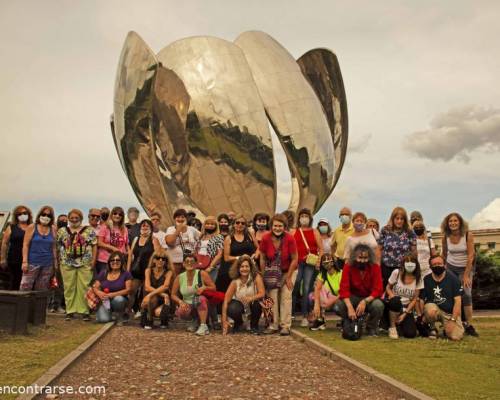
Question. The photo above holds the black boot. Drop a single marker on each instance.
(164, 315)
(144, 318)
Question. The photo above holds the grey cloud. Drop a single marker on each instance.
(456, 133)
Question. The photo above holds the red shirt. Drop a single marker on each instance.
(353, 284)
(311, 242)
(288, 248)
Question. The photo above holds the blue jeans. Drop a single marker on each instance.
(305, 276)
(118, 305)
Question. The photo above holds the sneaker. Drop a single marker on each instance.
(304, 323)
(471, 331)
(148, 326)
(69, 317)
(285, 332)
(192, 327)
(86, 317)
(270, 331)
(137, 315)
(371, 332)
(393, 333)
(318, 325)
(164, 325)
(202, 330)
(52, 310)
(60, 310)
(433, 334)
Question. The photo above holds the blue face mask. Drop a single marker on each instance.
(345, 219)
(323, 229)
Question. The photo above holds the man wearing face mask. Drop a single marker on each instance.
(340, 235)
(442, 295)
(361, 288)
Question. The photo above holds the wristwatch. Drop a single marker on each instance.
(453, 319)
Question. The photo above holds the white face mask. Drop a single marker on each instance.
(75, 225)
(304, 221)
(22, 218)
(44, 220)
(345, 219)
(410, 267)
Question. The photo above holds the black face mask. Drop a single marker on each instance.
(224, 227)
(104, 217)
(61, 224)
(261, 227)
(437, 270)
(209, 230)
(419, 231)
(361, 265)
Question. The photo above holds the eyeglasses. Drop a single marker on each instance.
(240, 223)
(161, 258)
(94, 216)
(46, 215)
(115, 261)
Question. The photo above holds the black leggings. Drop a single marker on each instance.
(235, 310)
(408, 327)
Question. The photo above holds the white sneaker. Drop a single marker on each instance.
(393, 333)
(137, 315)
(304, 323)
(148, 327)
(202, 330)
(192, 327)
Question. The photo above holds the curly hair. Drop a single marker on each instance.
(234, 271)
(362, 248)
(445, 228)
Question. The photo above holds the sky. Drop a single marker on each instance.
(421, 80)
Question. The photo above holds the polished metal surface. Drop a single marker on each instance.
(297, 117)
(322, 69)
(191, 124)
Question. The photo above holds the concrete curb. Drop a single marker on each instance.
(399, 388)
(56, 370)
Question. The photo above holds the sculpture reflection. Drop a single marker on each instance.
(191, 124)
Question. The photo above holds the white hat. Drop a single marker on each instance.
(324, 220)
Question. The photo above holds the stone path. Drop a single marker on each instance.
(173, 364)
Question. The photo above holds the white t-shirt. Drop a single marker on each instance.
(406, 292)
(189, 241)
(352, 241)
(327, 245)
(160, 235)
(424, 253)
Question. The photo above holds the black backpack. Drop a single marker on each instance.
(352, 329)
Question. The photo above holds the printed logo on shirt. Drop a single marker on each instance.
(438, 298)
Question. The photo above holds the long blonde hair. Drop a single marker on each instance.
(234, 271)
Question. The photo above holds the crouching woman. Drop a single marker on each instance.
(112, 286)
(241, 302)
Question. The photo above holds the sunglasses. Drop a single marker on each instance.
(22, 213)
(161, 258)
(119, 213)
(116, 261)
(240, 223)
(94, 216)
(46, 215)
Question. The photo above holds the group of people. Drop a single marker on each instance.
(230, 273)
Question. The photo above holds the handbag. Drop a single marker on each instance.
(214, 296)
(92, 298)
(267, 304)
(272, 271)
(202, 259)
(311, 258)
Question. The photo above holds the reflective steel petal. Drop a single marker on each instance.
(225, 160)
(297, 117)
(321, 68)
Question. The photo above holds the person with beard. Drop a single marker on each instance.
(442, 295)
(39, 252)
(361, 288)
(12, 245)
(77, 256)
(278, 260)
(224, 227)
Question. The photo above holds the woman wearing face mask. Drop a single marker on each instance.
(425, 246)
(39, 252)
(242, 296)
(223, 221)
(326, 291)
(139, 255)
(11, 255)
(77, 247)
(363, 235)
(396, 240)
(372, 223)
(112, 286)
(180, 238)
(325, 232)
(240, 242)
(190, 285)
(459, 255)
(260, 225)
(403, 291)
(278, 260)
(308, 242)
(112, 236)
(361, 288)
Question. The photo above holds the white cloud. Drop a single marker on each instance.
(488, 217)
(360, 145)
(456, 133)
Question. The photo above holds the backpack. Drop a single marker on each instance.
(352, 329)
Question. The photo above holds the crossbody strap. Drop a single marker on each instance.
(304, 240)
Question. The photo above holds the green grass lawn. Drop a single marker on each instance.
(469, 369)
(24, 358)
